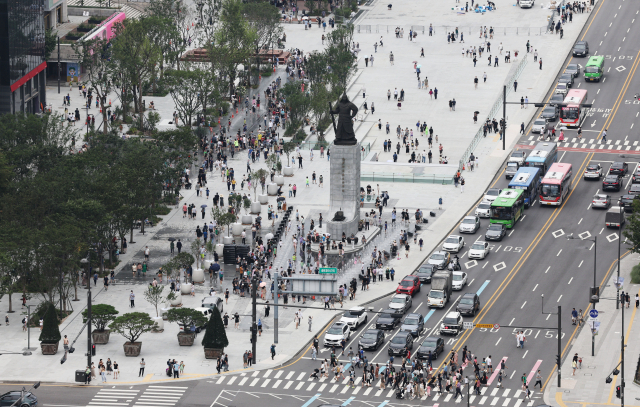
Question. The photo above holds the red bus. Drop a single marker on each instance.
(573, 113)
(556, 184)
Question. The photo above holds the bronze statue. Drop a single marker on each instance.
(339, 217)
(346, 111)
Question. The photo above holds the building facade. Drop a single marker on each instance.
(22, 56)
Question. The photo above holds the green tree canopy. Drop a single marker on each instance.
(50, 331)
(133, 325)
(216, 336)
(101, 315)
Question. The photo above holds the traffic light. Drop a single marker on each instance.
(93, 350)
(616, 372)
(608, 379)
(72, 349)
(559, 360)
(618, 391)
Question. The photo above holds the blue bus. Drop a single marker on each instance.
(543, 155)
(528, 180)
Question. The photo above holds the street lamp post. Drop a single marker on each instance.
(619, 239)
(87, 262)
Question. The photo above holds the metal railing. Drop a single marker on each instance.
(314, 145)
(406, 177)
(495, 110)
(443, 30)
(553, 15)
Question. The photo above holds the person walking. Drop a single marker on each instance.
(310, 321)
(142, 365)
(461, 185)
(273, 351)
(132, 300)
(604, 136)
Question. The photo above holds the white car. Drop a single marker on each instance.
(354, 317)
(518, 156)
(453, 244)
(470, 224)
(337, 333)
(562, 88)
(479, 250)
(593, 171)
(459, 280)
(492, 194)
(484, 209)
(540, 126)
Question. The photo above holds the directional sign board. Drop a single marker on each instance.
(593, 313)
(485, 326)
(467, 325)
(328, 270)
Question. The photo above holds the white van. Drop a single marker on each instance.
(526, 3)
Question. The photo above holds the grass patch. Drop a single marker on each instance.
(635, 274)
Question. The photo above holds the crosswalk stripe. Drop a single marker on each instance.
(220, 380)
(311, 386)
(366, 392)
(322, 387)
(593, 146)
(356, 391)
(390, 393)
(243, 381)
(530, 403)
(494, 401)
(506, 392)
(333, 389)
(233, 379)
(268, 373)
(286, 386)
(473, 397)
(437, 396)
(276, 384)
(344, 390)
(299, 386)
(358, 380)
(289, 375)
(169, 387)
(277, 376)
(575, 145)
(254, 382)
(448, 397)
(483, 400)
(494, 391)
(300, 376)
(506, 402)
(266, 382)
(379, 392)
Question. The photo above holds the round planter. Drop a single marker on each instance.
(219, 249)
(163, 312)
(279, 179)
(100, 338)
(49, 348)
(196, 277)
(132, 349)
(287, 171)
(178, 301)
(186, 338)
(185, 288)
(227, 240)
(247, 219)
(160, 322)
(206, 264)
(256, 208)
(236, 229)
(213, 353)
(272, 189)
(263, 199)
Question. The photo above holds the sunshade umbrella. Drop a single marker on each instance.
(172, 239)
(203, 206)
(215, 267)
(263, 284)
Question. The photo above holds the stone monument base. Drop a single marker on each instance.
(344, 190)
(349, 227)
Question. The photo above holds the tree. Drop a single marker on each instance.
(632, 231)
(101, 316)
(154, 296)
(50, 42)
(186, 317)
(182, 260)
(132, 325)
(223, 218)
(215, 337)
(183, 87)
(297, 103)
(342, 62)
(50, 331)
(258, 177)
(264, 19)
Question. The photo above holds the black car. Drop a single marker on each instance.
(371, 339)
(635, 178)
(573, 69)
(433, 344)
(612, 182)
(388, 319)
(15, 398)
(414, 324)
(550, 113)
(401, 344)
(634, 190)
(627, 202)
(581, 49)
(619, 168)
(556, 99)
(566, 78)
(495, 231)
(425, 272)
(469, 304)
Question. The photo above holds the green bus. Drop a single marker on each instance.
(508, 207)
(594, 69)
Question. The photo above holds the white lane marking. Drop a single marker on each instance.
(545, 272)
(525, 353)
(523, 304)
(534, 288)
(559, 253)
(559, 298)
(570, 280)
(581, 263)
(498, 341)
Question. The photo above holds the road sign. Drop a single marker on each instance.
(593, 313)
(467, 325)
(618, 282)
(496, 326)
(484, 326)
(595, 327)
(328, 270)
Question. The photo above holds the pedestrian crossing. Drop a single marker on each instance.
(594, 144)
(113, 398)
(153, 396)
(291, 380)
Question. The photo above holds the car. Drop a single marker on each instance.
(212, 301)
(372, 339)
(518, 156)
(511, 169)
(614, 218)
(414, 324)
(336, 333)
(484, 209)
(387, 319)
(355, 317)
(492, 194)
(431, 344)
(495, 231)
(400, 303)
(541, 126)
(635, 178)
(627, 202)
(479, 250)
(409, 285)
(601, 201)
(550, 113)
(425, 271)
(470, 224)
(634, 190)
(562, 89)
(581, 49)
(619, 167)
(566, 78)
(401, 344)
(556, 99)
(612, 182)
(451, 324)
(453, 243)
(18, 399)
(459, 280)
(469, 304)
(593, 171)
(440, 259)
(573, 69)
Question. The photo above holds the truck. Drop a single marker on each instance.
(440, 288)
(614, 218)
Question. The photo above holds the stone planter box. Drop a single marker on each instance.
(186, 339)
(219, 249)
(263, 199)
(132, 349)
(287, 171)
(236, 229)
(160, 321)
(100, 338)
(49, 348)
(227, 240)
(185, 289)
(197, 277)
(212, 353)
(256, 208)
(279, 179)
(178, 301)
(247, 219)
(272, 189)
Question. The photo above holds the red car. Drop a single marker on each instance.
(409, 285)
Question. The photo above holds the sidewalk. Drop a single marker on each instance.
(588, 386)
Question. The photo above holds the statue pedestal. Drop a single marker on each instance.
(344, 190)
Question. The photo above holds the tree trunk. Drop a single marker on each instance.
(10, 303)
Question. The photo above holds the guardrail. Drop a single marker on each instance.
(444, 29)
(406, 177)
(313, 145)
